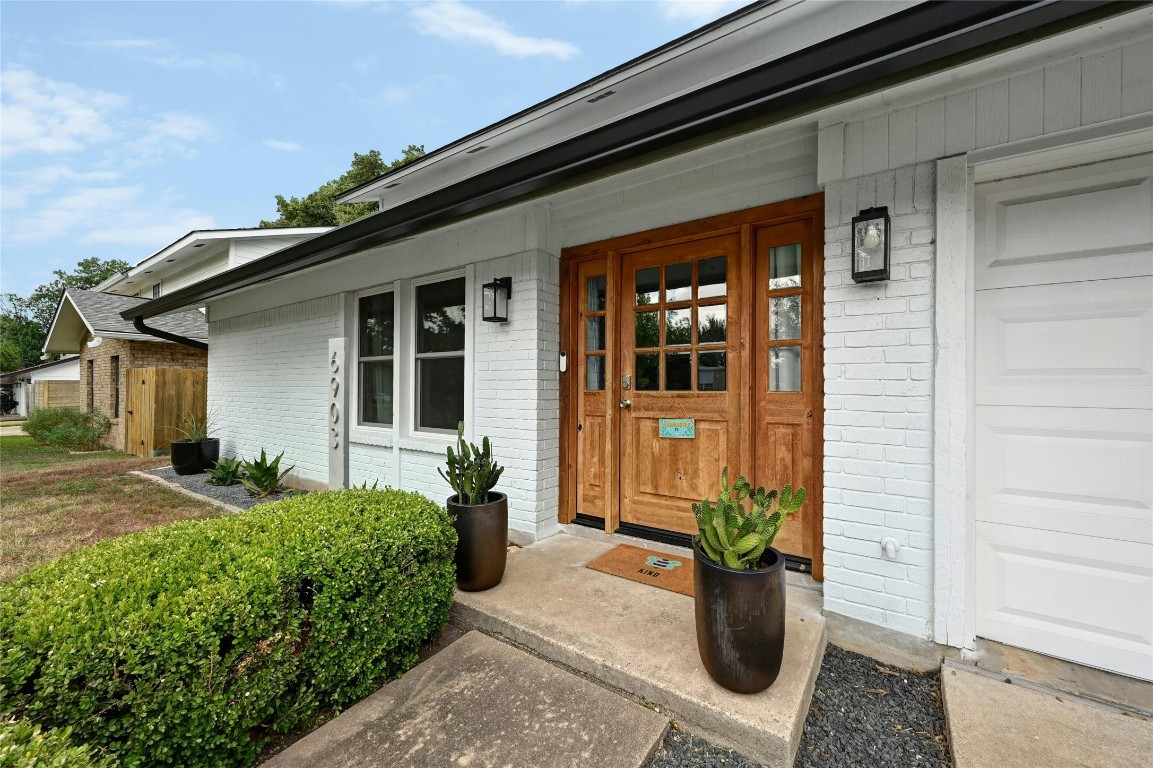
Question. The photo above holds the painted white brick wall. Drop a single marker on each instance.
(267, 383)
(878, 406)
(370, 464)
(517, 393)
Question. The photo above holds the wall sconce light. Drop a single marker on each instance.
(871, 245)
(495, 300)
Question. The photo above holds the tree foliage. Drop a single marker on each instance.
(320, 209)
(24, 322)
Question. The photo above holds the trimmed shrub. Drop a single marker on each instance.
(190, 644)
(25, 745)
(68, 429)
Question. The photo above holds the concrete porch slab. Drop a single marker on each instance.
(642, 640)
(483, 704)
(994, 724)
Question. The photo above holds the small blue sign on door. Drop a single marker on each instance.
(683, 428)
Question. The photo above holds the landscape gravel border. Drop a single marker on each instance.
(864, 714)
(233, 496)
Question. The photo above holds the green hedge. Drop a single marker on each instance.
(67, 428)
(25, 745)
(190, 644)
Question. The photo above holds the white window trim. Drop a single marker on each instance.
(440, 439)
(374, 434)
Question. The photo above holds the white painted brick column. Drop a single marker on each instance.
(878, 406)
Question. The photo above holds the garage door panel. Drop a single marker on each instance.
(1079, 471)
(1071, 596)
(1066, 225)
(1086, 344)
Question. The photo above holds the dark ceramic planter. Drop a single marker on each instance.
(209, 452)
(482, 541)
(186, 457)
(741, 621)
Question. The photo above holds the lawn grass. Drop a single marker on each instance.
(53, 502)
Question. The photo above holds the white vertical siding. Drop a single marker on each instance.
(1099, 86)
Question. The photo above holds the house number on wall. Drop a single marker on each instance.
(334, 401)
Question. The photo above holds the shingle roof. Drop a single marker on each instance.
(102, 312)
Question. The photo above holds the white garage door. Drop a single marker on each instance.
(1064, 413)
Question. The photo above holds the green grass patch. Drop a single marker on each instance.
(19, 453)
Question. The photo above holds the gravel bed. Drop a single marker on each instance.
(861, 717)
(236, 495)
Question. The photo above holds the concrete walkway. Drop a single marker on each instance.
(642, 640)
(994, 724)
(11, 429)
(484, 704)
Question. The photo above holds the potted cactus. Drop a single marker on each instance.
(739, 582)
(479, 514)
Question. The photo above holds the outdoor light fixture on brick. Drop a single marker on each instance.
(871, 245)
(495, 302)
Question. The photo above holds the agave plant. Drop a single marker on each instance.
(226, 472)
(472, 472)
(734, 536)
(262, 477)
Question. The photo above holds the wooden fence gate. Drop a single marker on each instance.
(157, 401)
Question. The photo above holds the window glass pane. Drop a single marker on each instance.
(440, 392)
(440, 317)
(785, 317)
(679, 282)
(711, 278)
(595, 294)
(712, 324)
(678, 371)
(648, 330)
(648, 286)
(678, 326)
(594, 373)
(594, 333)
(376, 325)
(711, 371)
(785, 266)
(376, 393)
(648, 372)
(785, 369)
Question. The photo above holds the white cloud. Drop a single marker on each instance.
(454, 21)
(168, 135)
(117, 215)
(42, 115)
(42, 180)
(168, 55)
(395, 94)
(283, 146)
(698, 11)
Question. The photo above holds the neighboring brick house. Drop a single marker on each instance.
(88, 323)
(691, 237)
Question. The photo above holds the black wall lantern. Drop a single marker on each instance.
(496, 300)
(871, 245)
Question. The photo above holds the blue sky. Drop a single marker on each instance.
(126, 124)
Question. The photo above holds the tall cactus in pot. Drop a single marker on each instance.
(472, 471)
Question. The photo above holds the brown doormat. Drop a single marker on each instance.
(674, 573)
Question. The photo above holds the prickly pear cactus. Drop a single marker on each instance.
(472, 472)
(735, 537)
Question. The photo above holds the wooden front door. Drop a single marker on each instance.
(680, 408)
(787, 378)
(688, 349)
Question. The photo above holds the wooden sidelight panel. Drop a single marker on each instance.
(680, 398)
(787, 380)
(593, 369)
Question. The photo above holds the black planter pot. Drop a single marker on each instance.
(741, 621)
(186, 457)
(482, 546)
(210, 452)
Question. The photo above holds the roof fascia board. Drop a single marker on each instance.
(59, 307)
(908, 44)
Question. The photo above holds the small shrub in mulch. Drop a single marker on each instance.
(194, 643)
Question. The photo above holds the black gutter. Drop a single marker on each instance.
(909, 44)
(138, 324)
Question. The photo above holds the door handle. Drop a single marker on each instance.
(626, 403)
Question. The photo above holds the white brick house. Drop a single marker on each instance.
(679, 236)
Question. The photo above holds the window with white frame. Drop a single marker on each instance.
(156, 291)
(375, 355)
(440, 332)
